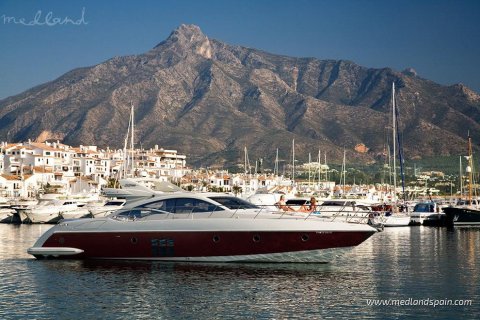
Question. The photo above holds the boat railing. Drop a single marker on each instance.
(136, 213)
(356, 216)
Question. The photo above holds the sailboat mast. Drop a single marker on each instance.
(293, 161)
(132, 141)
(319, 169)
(247, 162)
(470, 170)
(326, 171)
(461, 178)
(125, 148)
(275, 169)
(309, 162)
(394, 133)
(344, 172)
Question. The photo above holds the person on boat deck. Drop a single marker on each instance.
(310, 208)
(282, 205)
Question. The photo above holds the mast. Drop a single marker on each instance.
(394, 133)
(319, 169)
(469, 169)
(461, 178)
(247, 162)
(344, 172)
(400, 153)
(326, 171)
(275, 168)
(293, 161)
(125, 148)
(309, 162)
(132, 141)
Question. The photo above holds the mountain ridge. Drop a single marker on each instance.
(210, 100)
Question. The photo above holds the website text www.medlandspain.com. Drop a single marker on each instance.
(418, 302)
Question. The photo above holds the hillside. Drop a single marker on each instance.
(209, 100)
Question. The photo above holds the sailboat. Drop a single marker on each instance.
(466, 212)
(395, 218)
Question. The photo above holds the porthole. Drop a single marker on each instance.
(256, 238)
(216, 238)
(134, 240)
(61, 240)
(305, 237)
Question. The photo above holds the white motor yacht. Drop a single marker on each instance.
(200, 227)
(54, 210)
(426, 213)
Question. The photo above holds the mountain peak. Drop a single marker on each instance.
(188, 31)
(189, 36)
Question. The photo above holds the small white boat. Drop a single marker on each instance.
(347, 210)
(396, 220)
(425, 212)
(53, 211)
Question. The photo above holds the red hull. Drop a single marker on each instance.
(164, 245)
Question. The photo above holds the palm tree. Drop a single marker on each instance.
(236, 190)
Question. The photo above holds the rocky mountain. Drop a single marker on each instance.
(210, 100)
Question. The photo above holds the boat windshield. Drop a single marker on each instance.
(297, 202)
(424, 207)
(234, 203)
(115, 203)
(338, 203)
(135, 213)
(182, 205)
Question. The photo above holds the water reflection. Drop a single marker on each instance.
(399, 263)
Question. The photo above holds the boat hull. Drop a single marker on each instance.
(461, 216)
(427, 219)
(237, 246)
(42, 217)
(396, 221)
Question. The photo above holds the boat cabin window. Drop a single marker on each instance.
(134, 214)
(297, 202)
(114, 203)
(338, 203)
(424, 207)
(234, 203)
(467, 202)
(183, 205)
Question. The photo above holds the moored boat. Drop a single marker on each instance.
(427, 213)
(466, 212)
(53, 211)
(462, 215)
(396, 220)
(6, 214)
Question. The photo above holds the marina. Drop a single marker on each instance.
(414, 265)
(240, 160)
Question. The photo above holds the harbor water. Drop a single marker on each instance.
(400, 273)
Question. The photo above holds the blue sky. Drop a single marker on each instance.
(439, 39)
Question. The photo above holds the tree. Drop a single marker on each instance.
(236, 190)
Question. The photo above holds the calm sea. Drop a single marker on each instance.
(416, 270)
